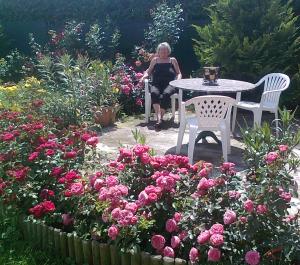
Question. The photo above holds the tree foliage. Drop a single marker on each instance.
(250, 38)
(166, 25)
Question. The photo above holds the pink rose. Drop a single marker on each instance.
(203, 237)
(111, 181)
(243, 219)
(115, 213)
(93, 141)
(194, 255)
(152, 197)
(67, 219)
(131, 206)
(286, 196)
(177, 217)
(229, 217)
(214, 254)
(249, 206)
(158, 242)
(33, 156)
(171, 225)
(175, 241)
(169, 252)
(76, 188)
(271, 157)
(113, 232)
(203, 173)
(217, 229)
(203, 184)
(283, 148)
(261, 209)
(252, 257)
(98, 184)
(216, 240)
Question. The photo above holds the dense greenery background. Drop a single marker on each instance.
(20, 17)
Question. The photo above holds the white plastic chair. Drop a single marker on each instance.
(274, 84)
(148, 102)
(212, 113)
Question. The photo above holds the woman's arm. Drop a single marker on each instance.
(148, 72)
(177, 69)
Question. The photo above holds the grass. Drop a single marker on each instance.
(15, 251)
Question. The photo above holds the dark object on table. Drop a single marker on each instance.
(211, 75)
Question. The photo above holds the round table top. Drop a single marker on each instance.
(224, 85)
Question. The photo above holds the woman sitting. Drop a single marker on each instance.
(163, 69)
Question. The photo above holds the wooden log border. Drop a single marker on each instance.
(69, 245)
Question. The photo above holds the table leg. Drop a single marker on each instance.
(179, 105)
(238, 98)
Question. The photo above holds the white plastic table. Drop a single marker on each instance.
(223, 86)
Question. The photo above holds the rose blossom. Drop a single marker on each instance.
(214, 254)
(216, 240)
(171, 225)
(261, 209)
(286, 196)
(243, 219)
(93, 141)
(67, 219)
(217, 229)
(283, 148)
(194, 255)
(48, 206)
(33, 156)
(203, 184)
(252, 257)
(177, 217)
(111, 181)
(158, 242)
(169, 252)
(203, 237)
(70, 155)
(76, 188)
(229, 217)
(203, 173)
(175, 241)
(113, 232)
(271, 157)
(249, 206)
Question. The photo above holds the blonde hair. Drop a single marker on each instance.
(163, 45)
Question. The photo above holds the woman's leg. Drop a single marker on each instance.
(166, 99)
(155, 99)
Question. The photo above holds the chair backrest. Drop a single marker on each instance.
(274, 84)
(211, 110)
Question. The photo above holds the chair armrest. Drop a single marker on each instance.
(272, 91)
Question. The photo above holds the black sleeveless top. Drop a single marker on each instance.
(162, 74)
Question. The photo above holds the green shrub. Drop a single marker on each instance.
(250, 38)
(166, 25)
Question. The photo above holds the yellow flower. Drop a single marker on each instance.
(16, 108)
(115, 90)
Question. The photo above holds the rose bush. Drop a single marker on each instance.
(160, 204)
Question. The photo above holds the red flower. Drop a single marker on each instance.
(48, 206)
(7, 137)
(92, 141)
(49, 152)
(37, 211)
(57, 171)
(33, 156)
(70, 155)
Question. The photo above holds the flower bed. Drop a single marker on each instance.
(161, 205)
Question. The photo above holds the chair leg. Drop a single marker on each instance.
(147, 108)
(233, 118)
(228, 142)
(192, 139)
(180, 137)
(257, 117)
(277, 123)
(224, 139)
(173, 106)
